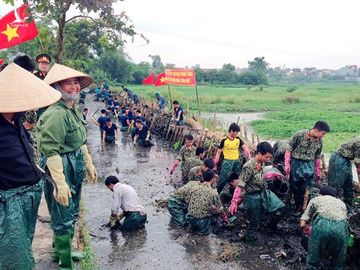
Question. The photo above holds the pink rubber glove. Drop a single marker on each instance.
(216, 161)
(235, 201)
(173, 168)
(225, 218)
(317, 169)
(247, 152)
(307, 230)
(287, 163)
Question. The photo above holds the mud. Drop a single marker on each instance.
(161, 245)
(42, 243)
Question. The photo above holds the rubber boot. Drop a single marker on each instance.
(63, 243)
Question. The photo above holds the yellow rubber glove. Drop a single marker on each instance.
(55, 167)
(92, 174)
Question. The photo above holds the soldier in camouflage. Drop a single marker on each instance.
(186, 151)
(302, 162)
(195, 173)
(191, 163)
(329, 231)
(204, 202)
(258, 199)
(280, 148)
(340, 168)
(178, 203)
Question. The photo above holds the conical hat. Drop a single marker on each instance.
(59, 73)
(22, 91)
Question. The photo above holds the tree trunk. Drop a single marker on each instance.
(60, 33)
(60, 39)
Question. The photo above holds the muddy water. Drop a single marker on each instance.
(161, 245)
(225, 119)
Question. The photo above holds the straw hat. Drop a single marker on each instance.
(21, 91)
(59, 73)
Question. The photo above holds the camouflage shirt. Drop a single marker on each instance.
(251, 177)
(351, 150)
(203, 197)
(195, 174)
(30, 117)
(184, 154)
(325, 206)
(189, 164)
(184, 193)
(304, 148)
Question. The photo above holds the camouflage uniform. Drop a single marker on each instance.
(258, 199)
(184, 155)
(304, 152)
(177, 204)
(203, 196)
(280, 148)
(340, 168)
(188, 165)
(31, 118)
(329, 233)
(195, 174)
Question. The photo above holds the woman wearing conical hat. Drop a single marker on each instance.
(61, 138)
(20, 180)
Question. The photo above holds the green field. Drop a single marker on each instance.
(338, 104)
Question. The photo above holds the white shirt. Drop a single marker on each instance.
(126, 199)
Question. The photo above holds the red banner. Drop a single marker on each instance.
(14, 28)
(160, 80)
(149, 79)
(185, 77)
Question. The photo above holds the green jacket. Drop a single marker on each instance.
(60, 130)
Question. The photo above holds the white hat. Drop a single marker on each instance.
(21, 91)
(59, 73)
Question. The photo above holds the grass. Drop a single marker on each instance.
(89, 262)
(278, 125)
(339, 97)
(336, 103)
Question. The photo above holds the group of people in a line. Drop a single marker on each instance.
(323, 219)
(43, 150)
(130, 119)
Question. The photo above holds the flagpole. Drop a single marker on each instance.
(197, 98)
(169, 95)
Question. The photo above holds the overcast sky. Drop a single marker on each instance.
(294, 33)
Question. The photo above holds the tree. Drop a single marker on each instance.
(116, 65)
(156, 63)
(139, 72)
(113, 25)
(228, 67)
(259, 67)
(169, 66)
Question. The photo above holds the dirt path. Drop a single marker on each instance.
(42, 244)
(161, 245)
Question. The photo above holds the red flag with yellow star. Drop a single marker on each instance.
(160, 79)
(15, 28)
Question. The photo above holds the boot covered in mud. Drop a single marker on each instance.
(62, 242)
